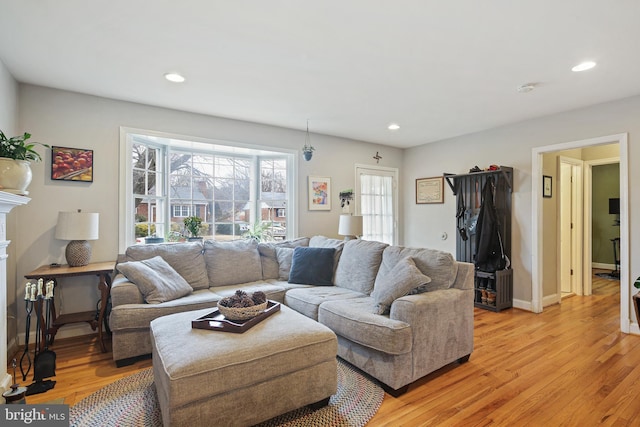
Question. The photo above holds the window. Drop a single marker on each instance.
(181, 210)
(234, 190)
(376, 192)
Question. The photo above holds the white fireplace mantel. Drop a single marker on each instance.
(8, 201)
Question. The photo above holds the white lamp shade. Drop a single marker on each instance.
(350, 225)
(77, 226)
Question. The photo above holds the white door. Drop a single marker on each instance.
(570, 223)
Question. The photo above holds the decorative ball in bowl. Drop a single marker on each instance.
(242, 305)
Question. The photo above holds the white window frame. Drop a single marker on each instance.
(382, 171)
(181, 208)
(126, 199)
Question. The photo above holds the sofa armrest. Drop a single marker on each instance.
(442, 326)
(465, 276)
(124, 292)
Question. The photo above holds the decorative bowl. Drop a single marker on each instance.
(242, 313)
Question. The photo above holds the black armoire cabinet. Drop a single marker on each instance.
(493, 290)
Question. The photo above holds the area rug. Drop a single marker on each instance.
(132, 401)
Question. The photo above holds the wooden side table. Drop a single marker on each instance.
(101, 269)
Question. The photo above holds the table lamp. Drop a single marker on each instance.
(350, 226)
(77, 227)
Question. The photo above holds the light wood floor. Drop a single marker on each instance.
(568, 366)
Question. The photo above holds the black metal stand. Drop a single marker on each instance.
(615, 242)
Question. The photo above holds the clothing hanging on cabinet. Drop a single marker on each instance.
(490, 255)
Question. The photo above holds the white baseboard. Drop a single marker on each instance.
(5, 383)
(603, 266)
(528, 306)
(522, 305)
(551, 300)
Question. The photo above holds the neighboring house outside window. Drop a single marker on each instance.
(229, 188)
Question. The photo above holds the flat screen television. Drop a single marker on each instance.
(614, 206)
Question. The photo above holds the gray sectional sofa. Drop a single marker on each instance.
(424, 295)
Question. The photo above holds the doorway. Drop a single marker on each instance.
(538, 222)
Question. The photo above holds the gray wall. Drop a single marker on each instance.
(70, 119)
(512, 146)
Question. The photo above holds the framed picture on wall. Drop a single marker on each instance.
(547, 186)
(71, 164)
(430, 190)
(319, 193)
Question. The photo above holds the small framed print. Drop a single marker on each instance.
(547, 186)
(430, 190)
(319, 193)
(71, 164)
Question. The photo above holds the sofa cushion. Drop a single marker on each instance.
(312, 266)
(285, 257)
(359, 265)
(307, 300)
(400, 281)
(138, 316)
(230, 263)
(440, 266)
(157, 280)
(185, 258)
(269, 258)
(354, 320)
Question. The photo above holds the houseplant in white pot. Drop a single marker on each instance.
(15, 157)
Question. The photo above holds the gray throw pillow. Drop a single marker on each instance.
(312, 266)
(157, 280)
(398, 282)
(285, 256)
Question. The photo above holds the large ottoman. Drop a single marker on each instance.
(206, 378)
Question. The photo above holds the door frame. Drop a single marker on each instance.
(537, 219)
(588, 231)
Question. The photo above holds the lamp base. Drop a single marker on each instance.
(78, 253)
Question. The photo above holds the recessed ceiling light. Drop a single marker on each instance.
(393, 126)
(174, 77)
(584, 66)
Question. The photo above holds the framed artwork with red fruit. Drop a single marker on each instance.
(71, 164)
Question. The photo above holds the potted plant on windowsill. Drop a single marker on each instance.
(259, 231)
(192, 224)
(15, 157)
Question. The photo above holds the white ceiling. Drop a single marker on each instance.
(438, 68)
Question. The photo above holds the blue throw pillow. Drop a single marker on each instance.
(312, 266)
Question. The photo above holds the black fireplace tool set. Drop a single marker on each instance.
(44, 361)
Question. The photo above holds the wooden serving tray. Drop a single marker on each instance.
(215, 321)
